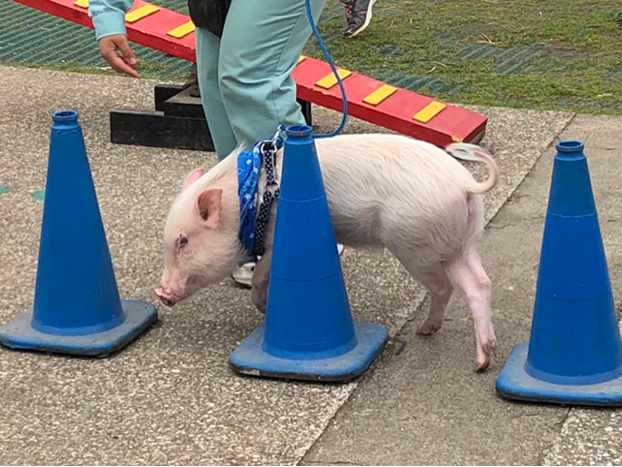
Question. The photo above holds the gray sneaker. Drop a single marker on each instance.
(358, 16)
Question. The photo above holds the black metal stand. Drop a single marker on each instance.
(178, 121)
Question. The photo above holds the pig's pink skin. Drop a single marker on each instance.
(200, 235)
(383, 190)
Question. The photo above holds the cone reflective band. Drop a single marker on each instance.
(574, 354)
(308, 333)
(77, 308)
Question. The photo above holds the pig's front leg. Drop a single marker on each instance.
(261, 277)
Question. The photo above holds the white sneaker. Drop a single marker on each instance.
(244, 274)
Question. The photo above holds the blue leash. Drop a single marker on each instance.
(344, 98)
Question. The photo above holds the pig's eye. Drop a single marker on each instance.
(183, 241)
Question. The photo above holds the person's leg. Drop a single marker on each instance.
(260, 46)
(207, 50)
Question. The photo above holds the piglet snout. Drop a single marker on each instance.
(165, 296)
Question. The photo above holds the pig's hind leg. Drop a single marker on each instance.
(441, 289)
(437, 282)
(470, 276)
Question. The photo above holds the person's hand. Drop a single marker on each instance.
(123, 62)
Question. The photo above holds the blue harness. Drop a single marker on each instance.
(252, 224)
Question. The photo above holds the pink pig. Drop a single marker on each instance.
(382, 190)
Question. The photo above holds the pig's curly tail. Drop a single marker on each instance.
(474, 153)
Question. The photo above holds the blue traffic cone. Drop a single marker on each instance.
(574, 354)
(77, 309)
(308, 333)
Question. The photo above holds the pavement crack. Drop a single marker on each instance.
(514, 224)
(561, 132)
(549, 448)
(334, 463)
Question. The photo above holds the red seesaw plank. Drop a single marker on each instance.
(396, 112)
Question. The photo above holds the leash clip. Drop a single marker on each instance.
(280, 129)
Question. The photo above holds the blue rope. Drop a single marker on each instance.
(344, 98)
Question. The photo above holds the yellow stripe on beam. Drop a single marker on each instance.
(82, 3)
(140, 13)
(429, 112)
(330, 80)
(182, 30)
(379, 94)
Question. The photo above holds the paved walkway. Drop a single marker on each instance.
(171, 398)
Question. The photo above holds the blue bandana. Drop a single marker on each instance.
(252, 225)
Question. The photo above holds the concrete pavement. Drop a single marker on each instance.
(170, 397)
(423, 405)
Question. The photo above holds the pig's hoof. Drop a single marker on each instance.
(483, 365)
(259, 300)
(429, 327)
(261, 307)
(483, 358)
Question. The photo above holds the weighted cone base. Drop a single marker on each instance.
(251, 359)
(514, 383)
(19, 333)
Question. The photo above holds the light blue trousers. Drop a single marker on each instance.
(245, 76)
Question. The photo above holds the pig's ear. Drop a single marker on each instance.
(192, 177)
(210, 207)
